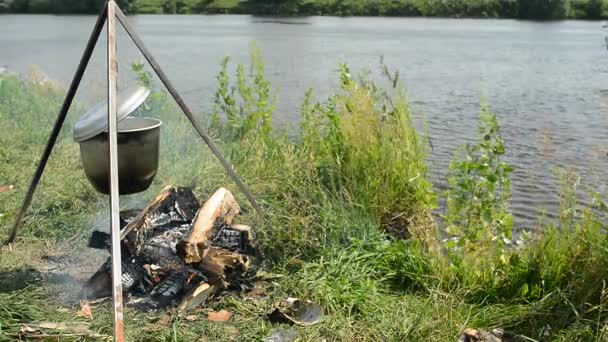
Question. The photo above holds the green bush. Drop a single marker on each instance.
(479, 190)
(588, 9)
(543, 9)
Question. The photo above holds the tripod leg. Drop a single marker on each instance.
(180, 102)
(114, 191)
(63, 112)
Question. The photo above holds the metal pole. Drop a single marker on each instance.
(63, 112)
(114, 194)
(180, 102)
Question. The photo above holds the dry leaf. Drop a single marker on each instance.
(6, 188)
(85, 310)
(191, 318)
(219, 316)
(165, 320)
(26, 329)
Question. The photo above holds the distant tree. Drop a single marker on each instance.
(19, 6)
(39, 6)
(594, 9)
(170, 6)
(508, 8)
(6, 6)
(125, 5)
(274, 6)
(543, 9)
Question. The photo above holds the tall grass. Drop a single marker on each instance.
(383, 169)
(347, 221)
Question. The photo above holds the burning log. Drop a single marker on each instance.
(178, 252)
(224, 267)
(195, 245)
(170, 206)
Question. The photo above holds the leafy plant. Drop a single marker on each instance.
(479, 189)
(247, 106)
(144, 77)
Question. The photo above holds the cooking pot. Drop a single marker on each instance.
(138, 142)
(137, 139)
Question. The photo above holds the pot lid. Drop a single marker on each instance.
(95, 121)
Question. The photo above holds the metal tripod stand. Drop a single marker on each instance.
(110, 13)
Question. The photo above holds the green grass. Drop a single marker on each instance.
(335, 197)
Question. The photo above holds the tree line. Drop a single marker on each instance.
(523, 9)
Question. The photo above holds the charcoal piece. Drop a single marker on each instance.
(100, 240)
(132, 273)
(236, 238)
(161, 256)
(180, 206)
(186, 205)
(100, 284)
(229, 239)
(167, 291)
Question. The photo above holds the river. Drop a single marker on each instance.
(543, 79)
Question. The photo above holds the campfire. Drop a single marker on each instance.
(177, 253)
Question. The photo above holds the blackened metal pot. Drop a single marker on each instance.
(138, 149)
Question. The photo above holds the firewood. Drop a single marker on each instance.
(243, 228)
(221, 205)
(223, 267)
(248, 243)
(196, 296)
(171, 204)
(235, 238)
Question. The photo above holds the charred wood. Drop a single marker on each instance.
(172, 205)
(162, 256)
(176, 252)
(224, 267)
(220, 209)
(235, 238)
(196, 296)
(167, 291)
(99, 285)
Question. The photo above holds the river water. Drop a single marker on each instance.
(543, 79)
